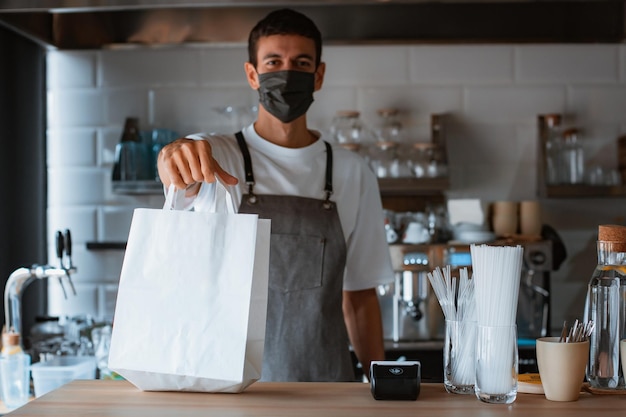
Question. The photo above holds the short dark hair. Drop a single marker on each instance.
(284, 22)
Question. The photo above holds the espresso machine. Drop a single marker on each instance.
(409, 308)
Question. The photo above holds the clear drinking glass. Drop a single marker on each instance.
(459, 356)
(496, 364)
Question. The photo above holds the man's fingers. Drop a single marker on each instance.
(224, 176)
(185, 162)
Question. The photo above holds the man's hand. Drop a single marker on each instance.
(186, 162)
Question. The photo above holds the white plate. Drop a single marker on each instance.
(476, 236)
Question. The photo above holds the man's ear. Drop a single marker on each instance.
(319, 75)
(251, 75)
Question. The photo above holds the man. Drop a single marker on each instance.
(328, 250)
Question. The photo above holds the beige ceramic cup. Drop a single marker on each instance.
(504, 217)
(530, 218)
(561, 367)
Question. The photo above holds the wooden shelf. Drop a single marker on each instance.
(413, 186)
(585, 191)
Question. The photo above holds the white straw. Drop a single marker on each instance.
(454, 302)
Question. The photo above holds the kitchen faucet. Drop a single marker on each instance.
(22, 277)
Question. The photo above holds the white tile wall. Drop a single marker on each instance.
(492, 92)
(460, 65)
(558, 64)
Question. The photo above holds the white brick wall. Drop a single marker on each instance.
(493, 92)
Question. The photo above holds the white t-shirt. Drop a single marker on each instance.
(301, 172)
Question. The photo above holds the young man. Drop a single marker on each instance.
(328, 249)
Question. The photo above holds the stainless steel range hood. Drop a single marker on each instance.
(89, 24)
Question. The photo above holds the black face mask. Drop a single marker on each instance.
(286, 95)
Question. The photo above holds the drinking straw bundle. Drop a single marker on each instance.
(497, 272)
(459, 307)
(456, 304)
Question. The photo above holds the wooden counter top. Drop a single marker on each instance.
(95, 398)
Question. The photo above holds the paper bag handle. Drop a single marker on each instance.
(212, 198)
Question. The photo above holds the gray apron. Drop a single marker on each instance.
(305, 336)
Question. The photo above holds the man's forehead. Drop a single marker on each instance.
(282, 45)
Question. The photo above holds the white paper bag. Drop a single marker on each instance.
(192, 301)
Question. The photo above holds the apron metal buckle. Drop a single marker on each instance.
(327, 203)
(251, 197)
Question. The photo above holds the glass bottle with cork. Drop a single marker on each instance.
(552, 141)
(606, 306)
(14, 371)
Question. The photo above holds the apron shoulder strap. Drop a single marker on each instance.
(328, 188)
(247, 162)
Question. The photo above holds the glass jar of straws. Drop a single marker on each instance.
(457, 303)
(496, 276)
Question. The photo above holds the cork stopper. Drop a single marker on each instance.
(384, 145)
(10, 339)
(387, 112)
(613, 233)
(424, 145)
(348, 113)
